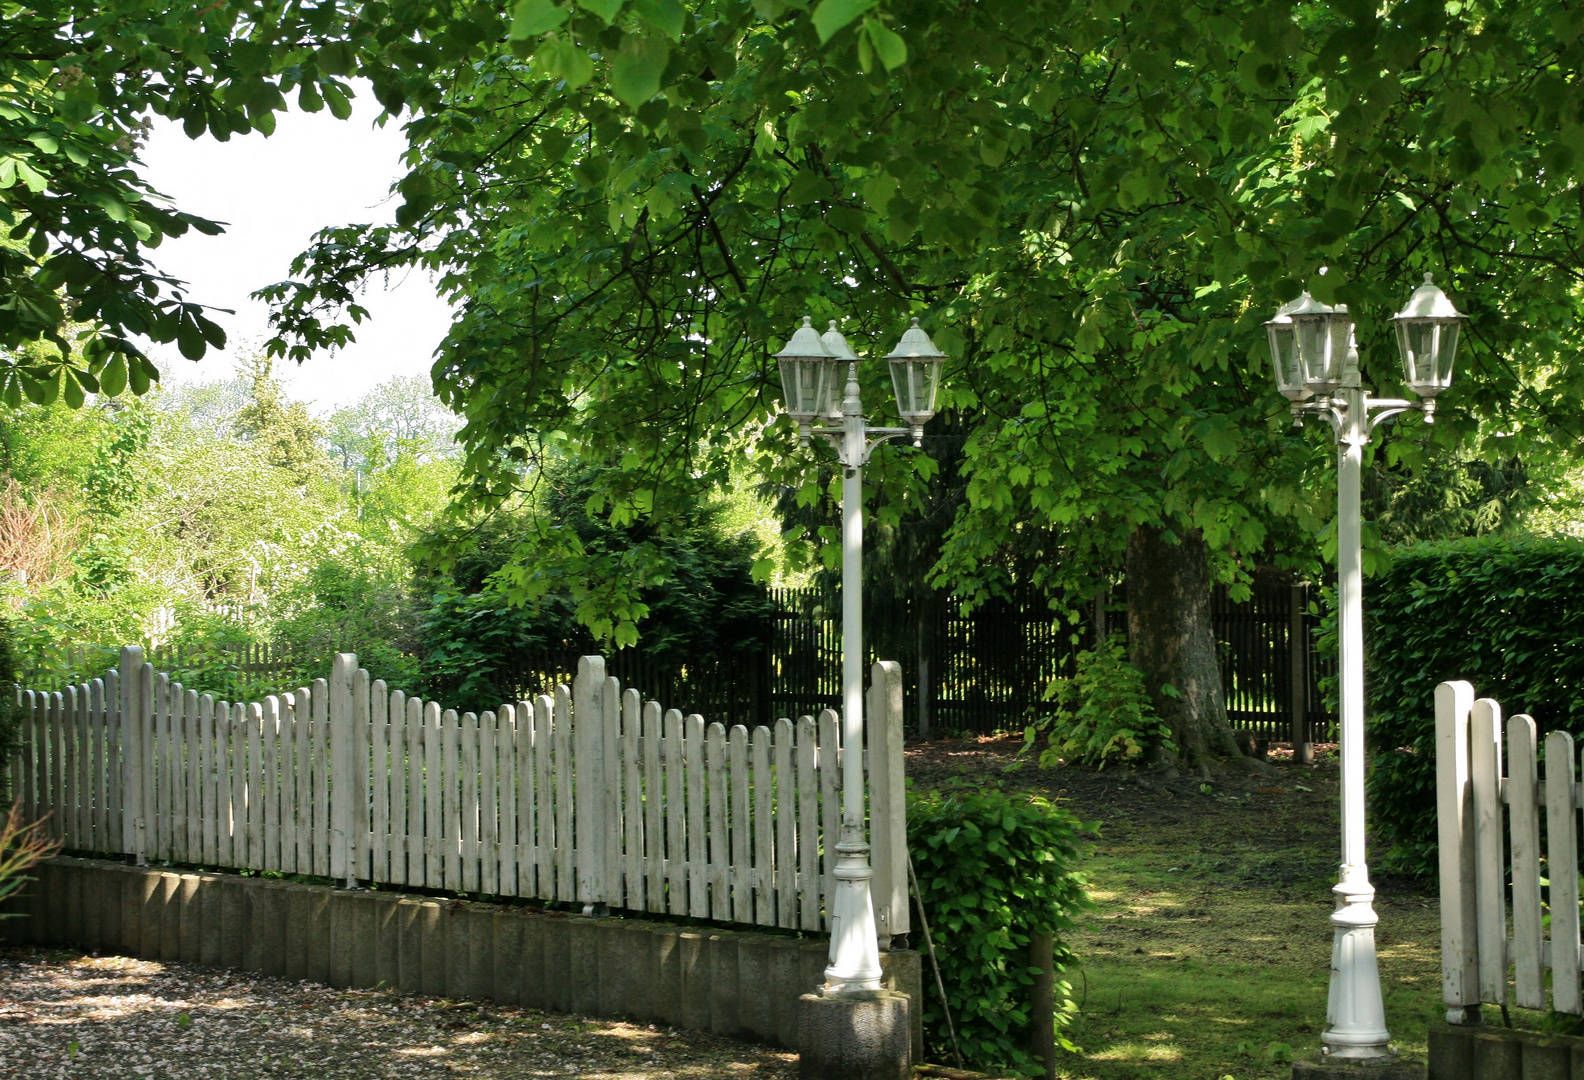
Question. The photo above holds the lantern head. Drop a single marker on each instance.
(915, 375)
(1428, 327)
(806, 375)
(841, 353)
(1322, 342)
(1284, 353)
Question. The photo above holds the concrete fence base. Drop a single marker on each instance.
(732, 983)
(1477, 1052)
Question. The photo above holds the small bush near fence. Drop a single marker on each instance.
(1506, 616)
(992, 869)
(1103, 713)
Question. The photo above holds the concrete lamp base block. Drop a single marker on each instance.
(1322, 1067)
(855, 1037)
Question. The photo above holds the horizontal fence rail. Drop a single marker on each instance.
(1485, 815)
(590, 794)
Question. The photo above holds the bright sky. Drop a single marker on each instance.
(274, 194)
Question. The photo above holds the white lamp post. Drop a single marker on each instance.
(1316, 367)
(810, 373)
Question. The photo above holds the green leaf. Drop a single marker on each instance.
(605, 9)
(832, 15)
(340, 107)
(562, 59)
(113, 379)
(666, 16)
(140, 372)
(636, 69)
(534, 17)
(888, 44)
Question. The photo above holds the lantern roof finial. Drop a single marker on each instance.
(836, 345)
(915, 345)
(804, 343)
(1429, 302)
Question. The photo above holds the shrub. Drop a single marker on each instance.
(1103, 713)
(994, 868)
(1503, 614)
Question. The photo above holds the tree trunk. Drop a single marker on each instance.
(1172, 640)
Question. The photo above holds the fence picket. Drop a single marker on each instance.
(434, 785)
(740, 824)
(1528, 988)
(469, 731)
(544, 794)
(561, 774)
(163, 765)
(319, 745)
(359, 823)
(697, 842)
(1562, 862)
(270, 727)
(302, 805)
(506, 798)
(178, 774)
(763, 845)
(380, 772)
(99, 745)
(450, 810)
(521, 789)
(611, 828)
(340, 735)
(69, 801)
(417, 735)
(398, 781)
(784, 882)
(489, 804)
(719, 841)
(633, 867)
(654, 799)
(808, 867)
(1485, 752)
(671, 765)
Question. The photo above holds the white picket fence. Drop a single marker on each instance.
(1477, 946)
(590, 794)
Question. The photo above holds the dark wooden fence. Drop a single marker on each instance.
(982, 672)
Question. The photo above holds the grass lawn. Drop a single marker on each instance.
(1209, 954)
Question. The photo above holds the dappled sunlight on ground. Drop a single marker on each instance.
(64, 1015)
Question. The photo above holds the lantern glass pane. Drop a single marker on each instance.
(1284, 358)
(1322, 344)
(1427, 347)
(805, 386)
(914, 382)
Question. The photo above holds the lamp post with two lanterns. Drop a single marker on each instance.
(1317, 370)
(811, 380)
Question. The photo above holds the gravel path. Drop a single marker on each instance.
(68, 1015)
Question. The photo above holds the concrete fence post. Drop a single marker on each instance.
(887, 802)
(588, 770)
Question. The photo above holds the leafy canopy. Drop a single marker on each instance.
(1093, 207)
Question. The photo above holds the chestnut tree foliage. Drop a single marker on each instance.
(1092, 207)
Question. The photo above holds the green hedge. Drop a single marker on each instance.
(992, 869)
(1508, 616)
